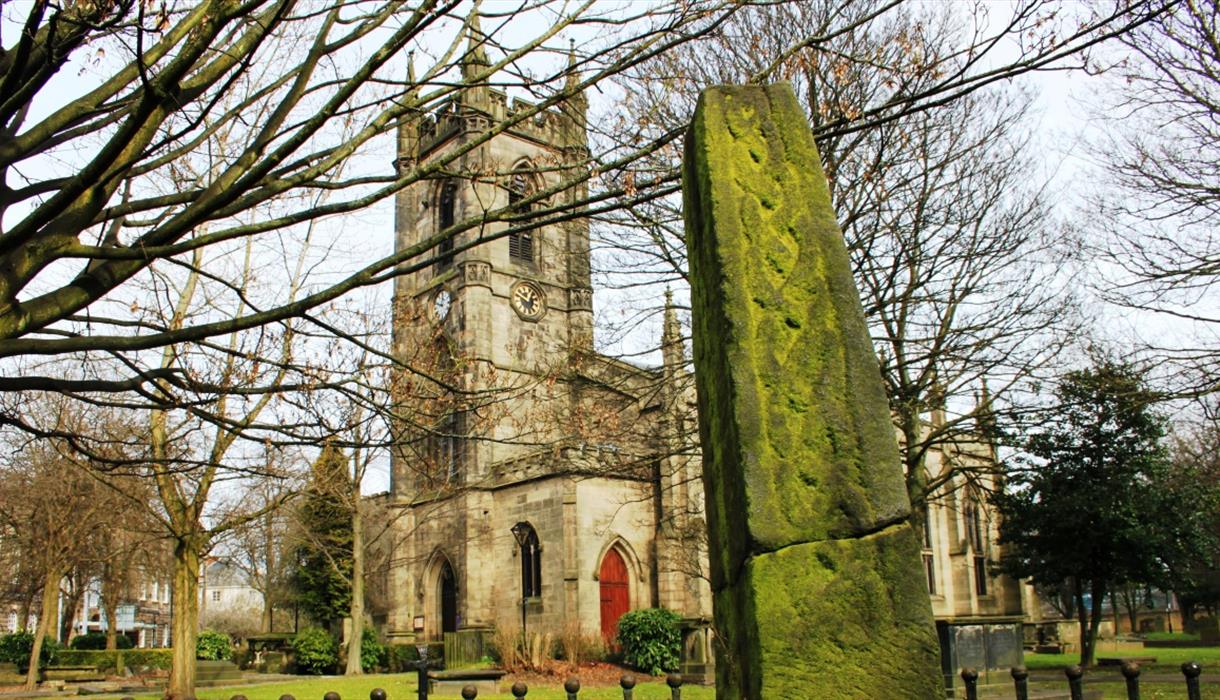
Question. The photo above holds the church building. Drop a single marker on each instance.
(545, 486)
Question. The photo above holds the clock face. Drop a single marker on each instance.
(527, 301)
(442, 303)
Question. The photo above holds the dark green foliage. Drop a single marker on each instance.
(15, 648)
(147, 658)
(402, 657)
(113, 661)
(1094, 501)
(96, 641)
(651, 639)
(372, 652)
(316, 651)
(213, 646)
(324, 563)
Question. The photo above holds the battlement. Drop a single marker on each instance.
(550, 126)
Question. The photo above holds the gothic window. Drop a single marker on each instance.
(521, 243)
(448, 449)
(929, 559)
(531, 564)
(446, 217)
(976, 531)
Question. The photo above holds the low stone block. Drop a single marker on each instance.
(838, 619)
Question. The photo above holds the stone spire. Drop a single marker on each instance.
(475, 62)
(408, 123)
(671, 337)
(576, 106)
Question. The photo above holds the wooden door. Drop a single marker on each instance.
(615, 593)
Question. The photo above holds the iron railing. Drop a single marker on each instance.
(1075, 680)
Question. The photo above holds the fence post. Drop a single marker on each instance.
(331, 695)
(286, 696)
(469, 692)
(520, 689)
(1075, 676)
(971, 678)
(571, 686)
(377, 694)
(1191, 670)
(627, 682)
(1131, 671)
(421, 670)
(1020, 682)
(674, 681)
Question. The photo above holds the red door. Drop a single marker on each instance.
(615, 598)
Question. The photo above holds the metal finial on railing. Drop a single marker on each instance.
(469, 692)
(286, 696)
(571, 686)
(1131, 671)
(627, 682)
(1075, 676)
(377, 694)
(674, 681)
(971, 678)
(520, 689)
(1191, 670)
(1020, 682)
(331, 695)
(239, 696)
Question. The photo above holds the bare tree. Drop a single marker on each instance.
(1154, 213)
(941, 208)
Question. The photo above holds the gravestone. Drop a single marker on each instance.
(817, 582)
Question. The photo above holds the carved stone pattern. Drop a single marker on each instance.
(476, 272)
(580, 298)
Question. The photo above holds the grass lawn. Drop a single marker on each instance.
(401, 686)
(1166, 659)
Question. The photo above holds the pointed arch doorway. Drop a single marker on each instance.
(615, 592)
(448, 599)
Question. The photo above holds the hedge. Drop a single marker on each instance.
(115, 661)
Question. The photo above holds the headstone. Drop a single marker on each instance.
(816, 576)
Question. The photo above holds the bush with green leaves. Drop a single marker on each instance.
(96, 641)
(372, 652)
(651, 639)
(15, 648)
(213, 646)
(315, 650)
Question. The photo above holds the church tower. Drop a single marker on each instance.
(533, 499)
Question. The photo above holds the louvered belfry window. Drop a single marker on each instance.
(520, 244)
(447, 215)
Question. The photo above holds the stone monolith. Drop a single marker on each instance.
(816, 573)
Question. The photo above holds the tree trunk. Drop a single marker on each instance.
(27, 604)
(356, 610)
(110, 607)
(46, 622)
(1089, 652)
(1082, 614)
(270, 564)
(71, 607)
(185, 611)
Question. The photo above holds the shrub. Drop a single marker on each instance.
(96, 641)
(372, 652)
(15, 648)
(138, 659)
(213, 646)
(651, 639)
(316, 651)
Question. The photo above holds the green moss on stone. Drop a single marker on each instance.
(788, 382)
(843, 619)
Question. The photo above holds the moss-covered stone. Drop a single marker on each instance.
(800, 462)
(840, 619)
(789, 387)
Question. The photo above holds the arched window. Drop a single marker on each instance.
(445, 218)
(976, 532)
(531, 560)
(520, 244)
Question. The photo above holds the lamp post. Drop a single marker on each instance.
(520, 532)
(421, 669)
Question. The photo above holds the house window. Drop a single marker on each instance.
(446, 217)
(531, 564)
(215, 596)
(521, 243)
